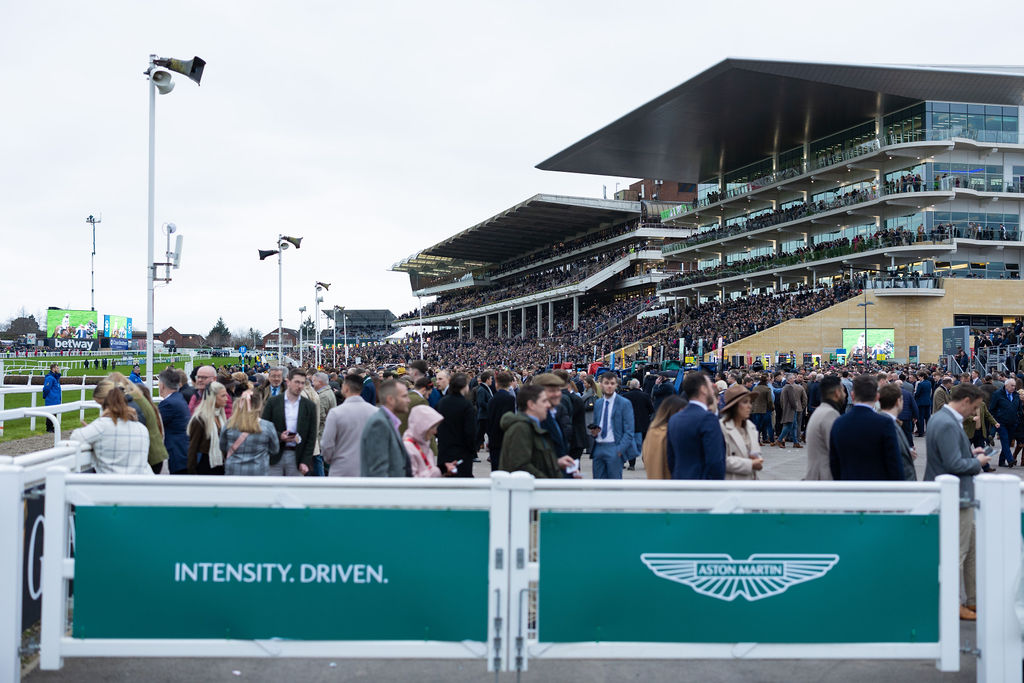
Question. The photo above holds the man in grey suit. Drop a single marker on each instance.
(890, 402)
(949, 452)
(343, 431)
(819, 427)
(381, 453)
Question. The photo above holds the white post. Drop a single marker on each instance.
(421, 327)
(149, 230)
(32, 404)
(81, 397)
(949, 573)
(280, 307)
(520, 487)
(55, 594)
(551, 318)
(13, 543)
(998, 537)
(316, 302)
(522, 334)
(344, 324)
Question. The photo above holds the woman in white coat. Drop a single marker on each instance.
(742, 452)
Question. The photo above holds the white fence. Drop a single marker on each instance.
(51, 413)
(653, 541)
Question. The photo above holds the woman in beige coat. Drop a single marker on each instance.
(653, 450)
(742, 452)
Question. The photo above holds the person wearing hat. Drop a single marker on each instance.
(742, 451)
(721, 387)
(559, 420)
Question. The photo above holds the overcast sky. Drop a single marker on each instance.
(372, 130)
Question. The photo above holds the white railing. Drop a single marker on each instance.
(33, 411)
(533, 607)
(21, 525)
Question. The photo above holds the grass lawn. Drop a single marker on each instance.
(19, 429)
(158, 364)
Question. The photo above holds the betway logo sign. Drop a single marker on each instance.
(74, 344)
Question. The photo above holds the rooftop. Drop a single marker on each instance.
(744, 110)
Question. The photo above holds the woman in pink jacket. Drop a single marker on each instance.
(423, 422)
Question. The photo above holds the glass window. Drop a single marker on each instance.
(975, 108)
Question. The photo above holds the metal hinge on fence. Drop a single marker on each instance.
(34, 493)
(967, 649)
(497, 632)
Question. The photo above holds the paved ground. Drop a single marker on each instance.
(780, 464)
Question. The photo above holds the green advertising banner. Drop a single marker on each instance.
(763, 578)
(255, 573)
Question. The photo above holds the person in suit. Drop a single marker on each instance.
(440, 389)
(863, 445)
(949, 452)
(381, 453)
(175, 416)
(762, 403)
(890, 402)
(295, 419)
(274, 385)
(343, 430)
(923, 396)
(793, 403)
(502, 403)
(643, 411)
(484, 394)
(910, 414)
(1004, 408)
(559, 420)
(941, 394)
(456, 435)
(571, 398)
(526, 446)
(614, 442)
(819, 428)
(696, 446)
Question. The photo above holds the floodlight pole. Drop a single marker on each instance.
(344, 324)
(280, 306)
(421, 326)
(150, 268)
(92, 220)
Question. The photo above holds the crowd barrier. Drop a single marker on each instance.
(504, 570)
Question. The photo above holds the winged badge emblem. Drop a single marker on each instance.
(757, 577)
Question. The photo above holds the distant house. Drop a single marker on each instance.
(181, 341)
(289, 339)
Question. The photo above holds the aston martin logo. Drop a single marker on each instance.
(719, 576)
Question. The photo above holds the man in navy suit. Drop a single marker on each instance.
(863, 445)
(1004, 406)
(695, 445)
(613, 430)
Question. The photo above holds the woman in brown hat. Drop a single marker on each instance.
(742, 452)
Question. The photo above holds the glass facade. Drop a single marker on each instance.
(984, 122)
(832, 148)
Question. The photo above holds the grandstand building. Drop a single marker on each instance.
(542, 266)
(359, 325)
(908, 180)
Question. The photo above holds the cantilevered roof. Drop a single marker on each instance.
(537, 222)
(743, 110)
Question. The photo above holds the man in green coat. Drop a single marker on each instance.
(527, 447)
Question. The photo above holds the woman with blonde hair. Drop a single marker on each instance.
(653, 450)
(149, 416)
(204, 454)
(120, 444)
(247, 441)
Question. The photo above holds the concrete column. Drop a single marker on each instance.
(807, 159)
(576, 313)
(540, 316)
(508, 323)
(487, 326)
(460, 330)
(470, 328)
(523, 332)
(551, 318)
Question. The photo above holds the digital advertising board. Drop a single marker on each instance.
(117, 327)
(881, 342)
(70, 324)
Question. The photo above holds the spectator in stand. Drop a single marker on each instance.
(247, 441)
(175, 416)
(120, 445)
(343, 430)
(51, 391)
(204, 454)
(456, 436)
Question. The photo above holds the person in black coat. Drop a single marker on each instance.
(663, 388)
(576, 427)
(456, 435)
(643, 410)
(1004, 406)
(484, 394)
(503, 402)
(863, 445)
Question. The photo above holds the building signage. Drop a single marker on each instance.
(309, 574)
(954, 339)
(73, 344)
(764, 578)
